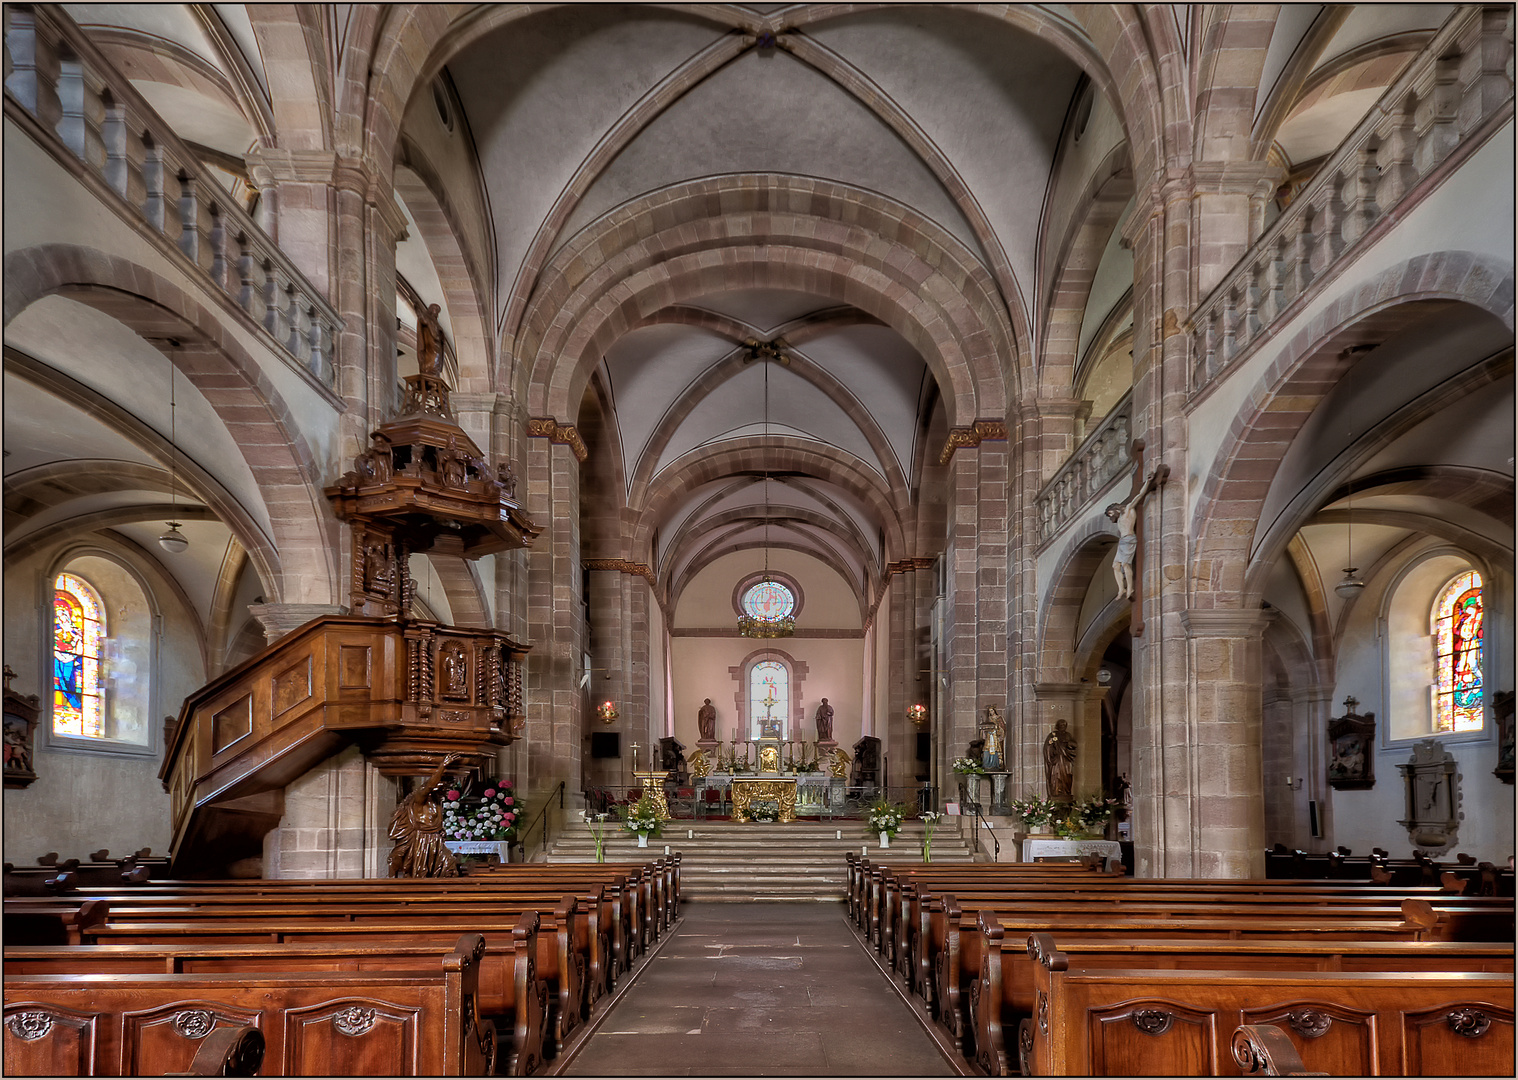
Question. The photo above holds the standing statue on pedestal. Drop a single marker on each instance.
(706, 721)
(417, 829)
(429, 342)
(993, 732)
(1059, 760)
(824, 722)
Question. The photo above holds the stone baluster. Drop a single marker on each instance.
(1297, 254)
(296, 340)
(162, 206)
(250, 278)
(194, 223)
(1207, 346)
(1254, 291)
(1484, 80)
(274, 318)
(1227, 345)
(1436, 122)
(81, 112)
(1358, 193)
(223, 258)
(1327, 239)
(1273, 291)
(1394, 157)
(123, 155)
(319, 343)
(33, 78)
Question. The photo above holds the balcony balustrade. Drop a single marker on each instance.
(1101, 457)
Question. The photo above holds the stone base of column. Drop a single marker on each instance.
(279, 619)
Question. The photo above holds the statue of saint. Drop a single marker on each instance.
(429, 342)
(706, 720)
(993, 733)
(824, 722)
(1059, 760)
(417, 829)
(455, 672)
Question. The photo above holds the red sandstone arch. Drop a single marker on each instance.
(1235, 40)
(730, 233)
(294, 54)
(776, 454)
(211, 357)
(1060, 607)
(1307, 368)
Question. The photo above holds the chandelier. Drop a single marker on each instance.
(750, 625)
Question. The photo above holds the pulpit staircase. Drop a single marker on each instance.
(761, 861)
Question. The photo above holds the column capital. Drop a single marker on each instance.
(1058, 691)
(1234, 177)
(1225, 623)
(270, 165)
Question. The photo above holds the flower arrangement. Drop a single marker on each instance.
(642, 817)
(930, 820)
(492, 817)
(764, 811)
(1035, 810)
(967, 766)
(1095, 811)
(886, 817)
(596, 823)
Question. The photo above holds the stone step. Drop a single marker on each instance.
(722, 861)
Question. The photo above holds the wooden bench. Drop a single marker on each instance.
(1144, 1021)
(1005, 992)
(51, 922)
(510, 992)
(361, 1023)
(557, 962)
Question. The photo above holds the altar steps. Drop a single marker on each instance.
(754, 861)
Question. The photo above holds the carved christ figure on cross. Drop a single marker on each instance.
(1126, 516)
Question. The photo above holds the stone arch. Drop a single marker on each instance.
(242, 395)
(294, 52)
(463, 283)
(774, 455)
(1060, 607)
(1305, 370)
(1107, 192)
(1234, 43)
(1151, 95)
(681, 242)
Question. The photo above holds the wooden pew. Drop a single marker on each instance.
(1144, 1021)
(557, 961)
(1005, 993)
(362, 1023)
(51, 922)
(511, 994)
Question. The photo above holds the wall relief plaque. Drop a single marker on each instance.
(1433, 796)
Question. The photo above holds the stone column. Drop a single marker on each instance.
(1222, 821)
(1228, 208)
(279, 619)
(555, 622)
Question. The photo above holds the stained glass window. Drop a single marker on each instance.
(769, 600)
(78, 629)
(769, 699)
(1457, 620)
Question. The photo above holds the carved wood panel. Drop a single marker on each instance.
(166, 1039)
(1328, 1037)
(231, 724)
(291, 686)
(1153, 1038)
(351, 1037)
(44, 1040)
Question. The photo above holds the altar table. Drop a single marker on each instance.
(782, 789)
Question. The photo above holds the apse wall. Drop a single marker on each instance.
(826, 656)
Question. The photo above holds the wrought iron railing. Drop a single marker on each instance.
(1445, 96)
(64, 90)
(542, 821)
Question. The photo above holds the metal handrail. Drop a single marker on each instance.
(975, 823)
(541, 815)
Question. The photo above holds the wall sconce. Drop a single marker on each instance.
(607, 711)
(918, 714)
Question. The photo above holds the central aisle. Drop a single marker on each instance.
(760, 990)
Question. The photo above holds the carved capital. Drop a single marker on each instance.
(546, 427)
(624, 566)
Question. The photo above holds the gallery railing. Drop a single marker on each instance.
(63, 90)
(1101, 457)
(1449, 98)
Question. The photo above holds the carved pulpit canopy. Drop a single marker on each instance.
(1351, 749)
(423, 486)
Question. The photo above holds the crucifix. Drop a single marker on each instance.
(1127, 561)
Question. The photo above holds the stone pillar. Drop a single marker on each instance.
(1228, 214)
(1222, 820)
(279, 619)
(336, 822)
(555, 623)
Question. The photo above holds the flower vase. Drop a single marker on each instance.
(643, 839)
(600, 850)
(885, 840)
(927, 851)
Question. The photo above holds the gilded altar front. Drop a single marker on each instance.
(781, 789)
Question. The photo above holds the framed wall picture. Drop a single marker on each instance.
(1351, 745)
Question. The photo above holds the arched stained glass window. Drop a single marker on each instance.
(769, 601)
(1457, 618)
(78, 630)
(769, 699)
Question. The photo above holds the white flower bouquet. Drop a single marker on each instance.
(886, 817)
(966, 766)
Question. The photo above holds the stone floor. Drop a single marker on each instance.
(760, 990)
